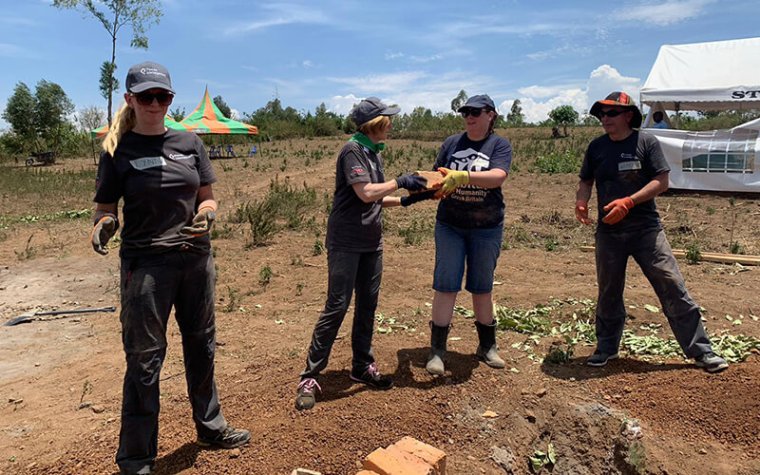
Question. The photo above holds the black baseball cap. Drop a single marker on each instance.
(480, 101)
(148, 75)
(370, 108)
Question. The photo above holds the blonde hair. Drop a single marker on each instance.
(123, 122)
(375, 125)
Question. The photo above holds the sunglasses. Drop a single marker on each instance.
(146, 98)
(472, 112)
(610, 113)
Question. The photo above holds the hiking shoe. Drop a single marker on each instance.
(372, 378)
(599, 358)
(229, 438)
(710, 362)
(305, 398)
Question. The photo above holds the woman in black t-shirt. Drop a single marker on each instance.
(469, 227)
(164, 178)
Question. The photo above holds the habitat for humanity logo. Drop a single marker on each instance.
(152, 71)
(179, 156)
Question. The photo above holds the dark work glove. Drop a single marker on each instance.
(411, 182)
(201, 223)
(417, 197)
(102, 232)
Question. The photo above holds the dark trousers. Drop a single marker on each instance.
(651, 251)
(347, 271)
(150, 286)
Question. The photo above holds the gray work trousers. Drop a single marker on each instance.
(347, 271)
(651, 251)
(150, 286)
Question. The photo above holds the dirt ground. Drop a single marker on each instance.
(60, 379)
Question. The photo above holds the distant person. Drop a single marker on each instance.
(469, 228)
(630, 170)
(354, 244)
(164, 178)
(659, 121)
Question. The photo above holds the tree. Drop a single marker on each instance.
(43, 115)
(223, 107)
(178, 113)
(564, 115)
(90, 118)
(459, 101)
(139, 15)
(108, 81)
(19, 112)
(516, 116)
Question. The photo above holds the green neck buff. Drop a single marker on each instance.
(362, 139)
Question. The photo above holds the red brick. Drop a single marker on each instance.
(434, 457)
(367, 472)
(392, 461)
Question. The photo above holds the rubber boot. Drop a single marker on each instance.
(438, 337)
(486, 351)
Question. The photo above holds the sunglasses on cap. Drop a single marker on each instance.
(472, 112)
(146, 98)
(610, 113)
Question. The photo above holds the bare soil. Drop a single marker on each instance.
(60, 379)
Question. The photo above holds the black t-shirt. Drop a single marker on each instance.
(158, 177)
(472, 206)
(621, 169)
(353, 225)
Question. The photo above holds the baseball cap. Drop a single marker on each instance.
(148, 75)
(478, 102)
(370, 108)
(618, 99)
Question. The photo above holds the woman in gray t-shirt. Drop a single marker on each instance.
(164, 179)
(355, 248)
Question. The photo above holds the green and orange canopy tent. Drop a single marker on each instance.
(170, 123)
(208, 119)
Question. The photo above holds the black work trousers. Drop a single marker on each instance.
(150, 286)
(347, 271)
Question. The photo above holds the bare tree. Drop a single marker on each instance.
(139, 15)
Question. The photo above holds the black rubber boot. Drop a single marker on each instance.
(487, 348)
(438, 337)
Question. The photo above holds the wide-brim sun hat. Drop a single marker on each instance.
(371, 108)
(618, 99)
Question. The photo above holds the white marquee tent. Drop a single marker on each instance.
(721, 75)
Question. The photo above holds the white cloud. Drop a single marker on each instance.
(11, 51)
(663, 13)
(601, 82)
(393, 55)
(235, 114)
(307, 64)
(280, 14)
(381, 83)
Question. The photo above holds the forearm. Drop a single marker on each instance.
(371, 192)
(652, 189)
(391, 201)
(584, 190)
(206, 198)
(488, 179)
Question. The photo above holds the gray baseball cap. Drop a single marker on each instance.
(370, 108)
(148, 75)
(480, 101)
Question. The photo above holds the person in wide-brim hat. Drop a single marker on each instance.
(618, 99)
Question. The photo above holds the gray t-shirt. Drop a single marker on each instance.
(353, 225)
(472, 206)
(621, 169)
(158, 177)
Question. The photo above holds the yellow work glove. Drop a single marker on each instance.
(452, 180)
(102, 232)
(202, 222)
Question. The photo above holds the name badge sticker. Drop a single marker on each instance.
(627, 166)
(147, 162)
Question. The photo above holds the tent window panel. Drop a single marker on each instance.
(721, 151)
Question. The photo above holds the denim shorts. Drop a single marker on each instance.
(479, 247)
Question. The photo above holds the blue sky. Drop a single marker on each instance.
(413, 53)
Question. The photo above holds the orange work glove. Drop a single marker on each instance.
(617, 210)
(581, 212)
